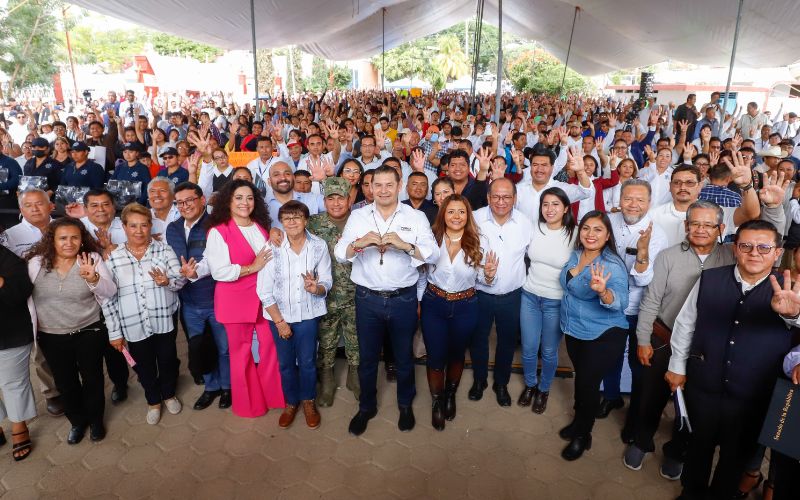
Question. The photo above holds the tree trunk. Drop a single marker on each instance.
(24, 52)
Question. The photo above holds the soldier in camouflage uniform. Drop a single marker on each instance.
(341, 317)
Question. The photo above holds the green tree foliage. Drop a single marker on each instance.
(450, 60)
(110, 49)
(266, 71)
(170, 45)
(323, 77)
(29, 43)
(539, 72)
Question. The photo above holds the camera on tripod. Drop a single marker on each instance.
(87, 96)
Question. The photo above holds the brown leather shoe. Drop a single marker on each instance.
(540, 402)
(287, 417)
(312, 415)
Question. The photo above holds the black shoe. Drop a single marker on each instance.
(437, 412)
(539, 404)
(391, 372)
(527, 395)
(97, 431)
(55, 406)
(568, 432)
(574, 450)
(503, 397)
(450, 401)
(205, 399)
(198, 380)
(476, 391)
(607, 405)
(225, 399)
(118, 395)
(358, 424)
(406, 421)
(627, 435)
(76, 434)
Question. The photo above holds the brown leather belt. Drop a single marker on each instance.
(662, 331)
(463, 294)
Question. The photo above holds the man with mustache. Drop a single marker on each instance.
(281, 180)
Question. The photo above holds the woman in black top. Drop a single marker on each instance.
(16, 342)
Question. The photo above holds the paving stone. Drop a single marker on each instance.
(429, 458)
(59, 479)
(243, 443)
(209, 466)
(106, 453)
(139, 459)
(407, 482)
(174, 462)
(98, 481)
(365, 479)
(174, 437)
(391, 456)
(326, 476)
(25, 473)
(247, 469)
(289, 471)
(136, 485)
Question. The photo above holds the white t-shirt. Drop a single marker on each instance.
(549, 251)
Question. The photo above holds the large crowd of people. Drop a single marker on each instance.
(661, 236)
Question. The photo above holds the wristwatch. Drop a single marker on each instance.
(412, 250)
(642, 261)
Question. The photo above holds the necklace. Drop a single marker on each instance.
(138, 254)
(382, 249)
(454, 240)
(62, 280)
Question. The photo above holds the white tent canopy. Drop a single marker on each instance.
(609, 34)
(407, 83)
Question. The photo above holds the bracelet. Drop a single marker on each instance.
(356, 250)
(279, 322)
(746, 188)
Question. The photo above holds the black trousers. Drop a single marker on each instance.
(77, 364)
(655, 395)
(157, 365)
(116, 366)
(787, 471)
(721, 421)
(592, 359)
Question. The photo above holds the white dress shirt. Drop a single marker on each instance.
(116, 230)
(314, 202)
(259, 168)
(510, 242)
(376, 162)
(399, 270)
(208, 171)
(457, 276)
(202, 268)
(683, 331)
(671, 221)
(626, 236)
(528, 198)
(218, 255)
(303, 163)
(160, 226)
(20, 238)
(659, 184)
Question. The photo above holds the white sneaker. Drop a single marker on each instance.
(173, 405)
(153, 415)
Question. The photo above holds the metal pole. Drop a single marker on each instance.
(255, 58)
(733, 59)
(497, 94)
(69, 53)
(383, 46)
(569, 49)
(291, 67)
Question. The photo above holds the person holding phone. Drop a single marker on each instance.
(292, 288)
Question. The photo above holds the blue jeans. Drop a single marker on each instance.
(195, 319)
(297, 360)
(540, 326)
(503, 310)
(447, 327)
(375, 317)
(611, 380)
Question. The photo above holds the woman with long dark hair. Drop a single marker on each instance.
(551, 246)
(71, 282)
(352, 170)
(236, 251)
(449, 304)
(595, 283)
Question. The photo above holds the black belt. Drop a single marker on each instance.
(387, 294)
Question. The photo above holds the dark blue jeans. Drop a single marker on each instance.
(447, 327)
(375, 317)
(611, 380)
(297, 360)
(195, 319)
(503, 311)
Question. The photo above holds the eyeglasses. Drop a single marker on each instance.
(222, 157)
(186, 202)
(168, 156)
(689, 184)
(702, 164)
(351, 171)
(762, 248)
(695, 225)
(291, 218)
(496, 197)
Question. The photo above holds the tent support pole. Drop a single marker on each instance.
(255, 57)
(733, 59)
(498, 91)
(476, 54)
(569, 49)
(383, 46)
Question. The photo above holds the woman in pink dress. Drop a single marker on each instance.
(237, 248)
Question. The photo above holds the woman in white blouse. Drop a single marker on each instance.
(627, 170)
(551, 246)
(292, 287)
(142, 315)
(449, 304)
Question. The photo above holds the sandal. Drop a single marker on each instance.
(744, 494)
(21, 450)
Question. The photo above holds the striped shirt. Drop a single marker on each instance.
(141, 308)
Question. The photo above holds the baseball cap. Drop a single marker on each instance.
(169, 151)
(336, 185)
(40, 142)
(79, 146)
(130, 146)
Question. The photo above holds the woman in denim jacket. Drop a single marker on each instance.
(595, 286)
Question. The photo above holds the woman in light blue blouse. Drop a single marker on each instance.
(595, 284)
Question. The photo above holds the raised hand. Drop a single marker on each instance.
(643, 244)
(599, 278)
(575, 160)
(417, 161)
(103, 238)
(160, 278)
(490, 266)
(188, 268)
(785, 300)
(774, 189)
(87, 268)
(262, 257)
(310, 282)
(327, 166)
(498, 169)
(316, 168)
(740, 170)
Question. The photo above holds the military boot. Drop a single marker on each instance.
(327, 387)
(352, 380)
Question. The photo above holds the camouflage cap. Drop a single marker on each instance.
(336, 185)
